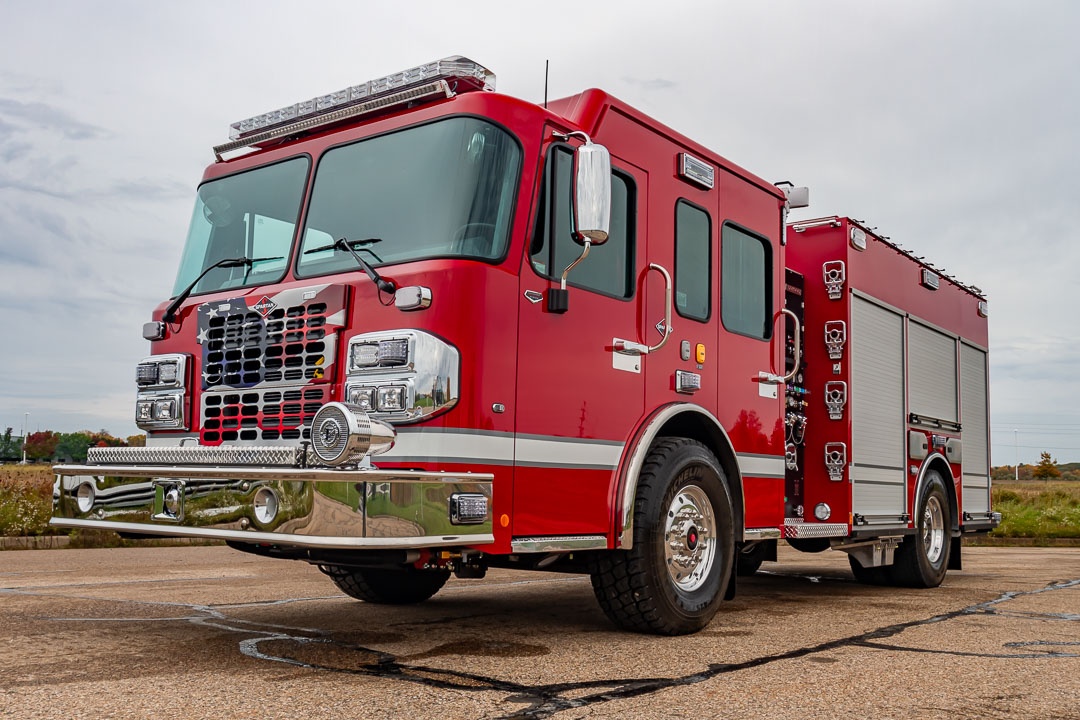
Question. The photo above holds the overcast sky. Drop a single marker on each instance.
(952, 127)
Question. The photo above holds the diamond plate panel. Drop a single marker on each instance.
(282, 456)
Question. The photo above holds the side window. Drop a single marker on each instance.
(609, 267)
(745, 282)
(693, 261)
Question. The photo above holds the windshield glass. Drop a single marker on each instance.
(437, 190)
(253, 215)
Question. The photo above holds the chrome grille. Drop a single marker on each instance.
(241, 348)
(279, 413)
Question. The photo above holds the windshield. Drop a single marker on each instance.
(252, 215)
(437, 190)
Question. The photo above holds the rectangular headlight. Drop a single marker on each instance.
(394, 352)
(164, 410)
(146, 373)
(392, 398)
(364, 397)
(168, 373)
(144, 411)
(366, 355)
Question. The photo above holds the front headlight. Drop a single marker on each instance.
(161, 380)
(402, 376)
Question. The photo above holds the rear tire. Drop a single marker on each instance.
(749, 558)
(387, 586)
(923, 558)
(672, 581)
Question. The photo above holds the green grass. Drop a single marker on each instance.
(1036, 509)
(25, 499)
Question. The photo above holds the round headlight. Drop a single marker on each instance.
(84, 497)
(265, 505)
(342, 433)
(822, 511)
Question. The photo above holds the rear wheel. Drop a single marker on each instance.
(387, 586)
(923, 558)
(673, 579)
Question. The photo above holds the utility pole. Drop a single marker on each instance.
(26, 426)
(1016, 442)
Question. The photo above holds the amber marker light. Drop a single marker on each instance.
(699, 352)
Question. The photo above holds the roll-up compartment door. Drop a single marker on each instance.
(975, 424)
(877, 411)
(932, 373)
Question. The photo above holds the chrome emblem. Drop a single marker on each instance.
(330, 433)
(533, 296)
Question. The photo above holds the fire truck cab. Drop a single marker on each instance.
(422, 328)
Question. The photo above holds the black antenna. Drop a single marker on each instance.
(545, 82)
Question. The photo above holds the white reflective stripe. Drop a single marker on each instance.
(497, 449)
(770, 466)
(566, 452)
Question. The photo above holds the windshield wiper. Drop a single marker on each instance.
(384, 284)
(170, 312)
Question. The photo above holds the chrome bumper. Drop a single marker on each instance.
(364, 509)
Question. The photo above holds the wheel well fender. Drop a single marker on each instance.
(937, 461)
(683, 420)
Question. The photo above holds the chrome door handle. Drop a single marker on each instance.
(629, 347)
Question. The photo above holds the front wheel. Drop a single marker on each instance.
(387, 586)
(672, 581)
(923, 558)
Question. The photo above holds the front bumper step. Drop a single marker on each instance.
(277, 505)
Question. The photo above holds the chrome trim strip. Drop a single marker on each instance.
(762, 534)
(765, 466)
(920, 485)
(558, 543)
(345, 543)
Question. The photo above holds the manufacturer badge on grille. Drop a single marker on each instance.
(264, 306)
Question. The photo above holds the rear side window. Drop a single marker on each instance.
(609, 267)
(693, 261)
(745, 282)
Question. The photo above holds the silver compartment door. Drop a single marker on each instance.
(932, 373)
(877, 412)
(976, 462)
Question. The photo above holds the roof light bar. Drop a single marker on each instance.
(443, 77)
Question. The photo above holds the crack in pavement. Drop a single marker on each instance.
(545, 700)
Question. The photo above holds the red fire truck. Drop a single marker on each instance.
(422, 328)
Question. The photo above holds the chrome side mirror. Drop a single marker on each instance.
(592, 210)
(592, 193)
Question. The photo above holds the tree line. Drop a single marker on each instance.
(1046, 469)
(47, 445)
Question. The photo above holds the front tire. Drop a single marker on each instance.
(672, 581)
(923, 558)
(387, 586)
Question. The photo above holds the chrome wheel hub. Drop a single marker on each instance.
(933, 529)
(690, 538)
